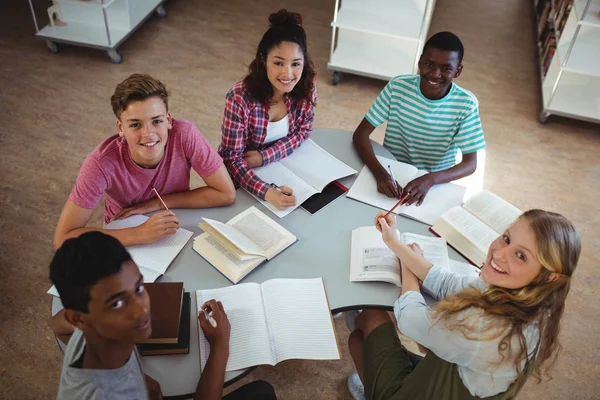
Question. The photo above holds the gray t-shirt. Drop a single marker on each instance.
(126, 383)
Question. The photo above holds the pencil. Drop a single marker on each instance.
(160, 198)
(399, 203)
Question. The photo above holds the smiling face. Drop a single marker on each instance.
(512, 259)
(437, 69)
(284, 63)
(145, 124)
(119, 307)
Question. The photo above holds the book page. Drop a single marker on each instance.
(440, 199)
(249, 341)
(371, 259)
(155, 256)
(315, 165)
(463, 269)
(222, 259)
(494, 211)
(278, 174)
(236, 238)
(299, 320)
(434, 249)
(471, 228)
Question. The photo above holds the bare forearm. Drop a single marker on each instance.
(203, 197)
(410, 282)
(126, 236)
(210, 386)
(466, 167)
(411, 260)
(363, 146)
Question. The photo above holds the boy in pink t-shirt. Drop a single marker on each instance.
(150, 150)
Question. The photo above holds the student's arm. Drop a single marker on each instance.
(210, 386)
(420, 186)
(61, 328)
(73, 220)
(304, 118)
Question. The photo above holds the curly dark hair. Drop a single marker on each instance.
(285, 27)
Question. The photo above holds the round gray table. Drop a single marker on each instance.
(322, 250)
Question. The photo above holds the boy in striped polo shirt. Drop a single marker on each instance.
(429, 119)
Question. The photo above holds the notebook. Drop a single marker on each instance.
(152, 259)
(243, 243)
(372, 260)
(439, 199)
(166, 299)
(307, 171)
(280, 319)
(183, 340)
(472, 228)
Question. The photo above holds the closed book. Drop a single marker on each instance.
(183, 343)
(165, 308)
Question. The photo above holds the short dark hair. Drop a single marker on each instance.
(285, 27)
(447, 41)
(137, 87)
(81, 262)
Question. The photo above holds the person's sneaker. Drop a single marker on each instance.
(350, 318)
(356, 388)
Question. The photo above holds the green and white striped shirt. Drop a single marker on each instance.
(427, 133)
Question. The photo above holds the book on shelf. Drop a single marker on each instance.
(166, 299)
(439, 199)
(243, 243)
(471, 228)
(308, 170)
(280, 319)
(182, 346)
(152, 259)
(372, 260)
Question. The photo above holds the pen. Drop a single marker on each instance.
(209, 318)
(399, 203)
(393, 179)
(274, 186)
(160, 198)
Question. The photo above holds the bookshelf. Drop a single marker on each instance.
(378, 38)
(569, 53)
(101, 24)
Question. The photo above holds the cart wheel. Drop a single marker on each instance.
(52, 46)
(115, 57)
(543, 117)
(335, 78)
(161, 11)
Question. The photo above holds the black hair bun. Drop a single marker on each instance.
(284, 16)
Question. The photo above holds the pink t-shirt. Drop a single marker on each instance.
(111, 171)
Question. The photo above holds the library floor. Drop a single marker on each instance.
(55, 110)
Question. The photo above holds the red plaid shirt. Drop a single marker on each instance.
(245, 128)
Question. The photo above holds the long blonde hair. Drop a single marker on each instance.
(542, 302)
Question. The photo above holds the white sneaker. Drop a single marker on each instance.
(356, 388)
(350, 318)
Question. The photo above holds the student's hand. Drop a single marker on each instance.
(217, 337)
(253, 158)
(160, 224)
(59, 324)
(416, 248)
(154, 390)
(385, 185)
(140, 208)
(387, 227)
(279, 200)
(417, 189)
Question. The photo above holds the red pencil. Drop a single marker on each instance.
(160, 198)
(399, 203)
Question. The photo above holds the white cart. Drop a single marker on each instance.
(100, 24)
(378, 38)
(570, 67)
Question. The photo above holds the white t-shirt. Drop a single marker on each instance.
(277, 130)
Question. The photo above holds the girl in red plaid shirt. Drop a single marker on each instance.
(270, 113)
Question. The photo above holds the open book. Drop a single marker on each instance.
(280, 319)
(307, 171)
(472, 228)
(439, 199)
(372, 260)
(152, 259)
(243, 243)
